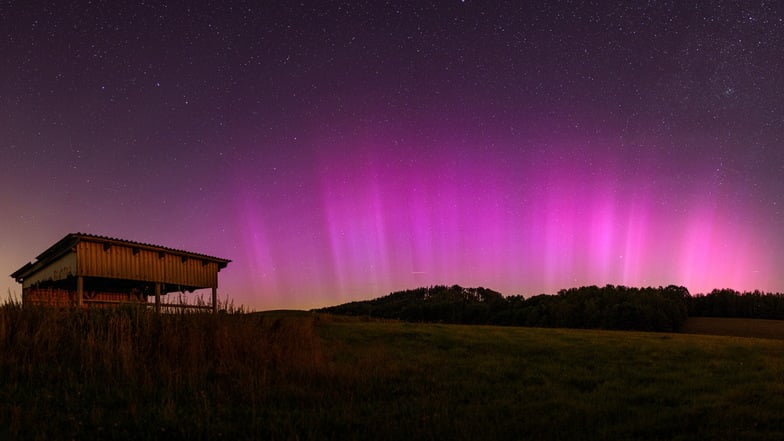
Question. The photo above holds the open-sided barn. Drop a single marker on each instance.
(84, 270)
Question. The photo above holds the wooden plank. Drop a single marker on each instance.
(184, 306)
(157, 297)
(79, 291)
(128, 302)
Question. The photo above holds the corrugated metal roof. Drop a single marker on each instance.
(106, 239)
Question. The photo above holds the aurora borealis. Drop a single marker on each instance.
(339, 151)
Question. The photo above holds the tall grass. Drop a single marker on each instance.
(124, 372)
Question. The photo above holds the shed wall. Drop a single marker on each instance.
(59, 269)
(64, 298)
(57, 297)
(137, 263)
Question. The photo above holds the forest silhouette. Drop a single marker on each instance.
(594, 307)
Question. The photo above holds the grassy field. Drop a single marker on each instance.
(735, 327)
(136, 375)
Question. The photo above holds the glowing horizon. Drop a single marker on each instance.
(536, 226)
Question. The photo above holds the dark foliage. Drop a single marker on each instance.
(609, 307)
(730, 303)
(453, 304)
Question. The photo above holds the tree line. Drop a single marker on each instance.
(731, 303)
(608, 307)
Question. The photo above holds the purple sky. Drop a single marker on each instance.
(338, 152)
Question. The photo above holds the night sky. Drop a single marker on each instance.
(340, 151)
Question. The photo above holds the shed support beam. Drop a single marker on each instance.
(157, 297)
(214, 300)
(80, 291)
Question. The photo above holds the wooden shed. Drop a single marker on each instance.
(84, 270)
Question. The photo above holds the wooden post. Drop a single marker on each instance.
(214, 300)
(79, 291)
(157, 297)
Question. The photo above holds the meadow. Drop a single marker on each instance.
(735, 327)
(133, 374)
